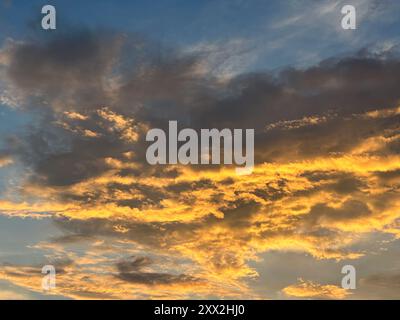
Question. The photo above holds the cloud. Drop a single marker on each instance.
(383, 280)
(97, 273)
(385, 284)
(351, 209)
(11, 295)
(131, 271)
(327, 142)
(69, 69)
(5, 160)
(309, 289)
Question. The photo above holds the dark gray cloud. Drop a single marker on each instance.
(130, 77)
(61, 158)
(392, 176)
(350, 210)
(75, 71)
(131, 271)
(69, 69)
(154, 234)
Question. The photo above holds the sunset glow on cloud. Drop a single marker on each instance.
(324, 192)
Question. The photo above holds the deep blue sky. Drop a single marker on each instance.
(278, 32)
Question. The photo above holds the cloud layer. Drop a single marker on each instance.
(326, 175)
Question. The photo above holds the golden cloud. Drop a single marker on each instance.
(309, 289)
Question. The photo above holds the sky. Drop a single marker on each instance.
(77, 193)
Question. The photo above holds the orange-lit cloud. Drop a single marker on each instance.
(4, 161)
(309, 289)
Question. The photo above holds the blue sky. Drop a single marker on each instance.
(278, 33)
